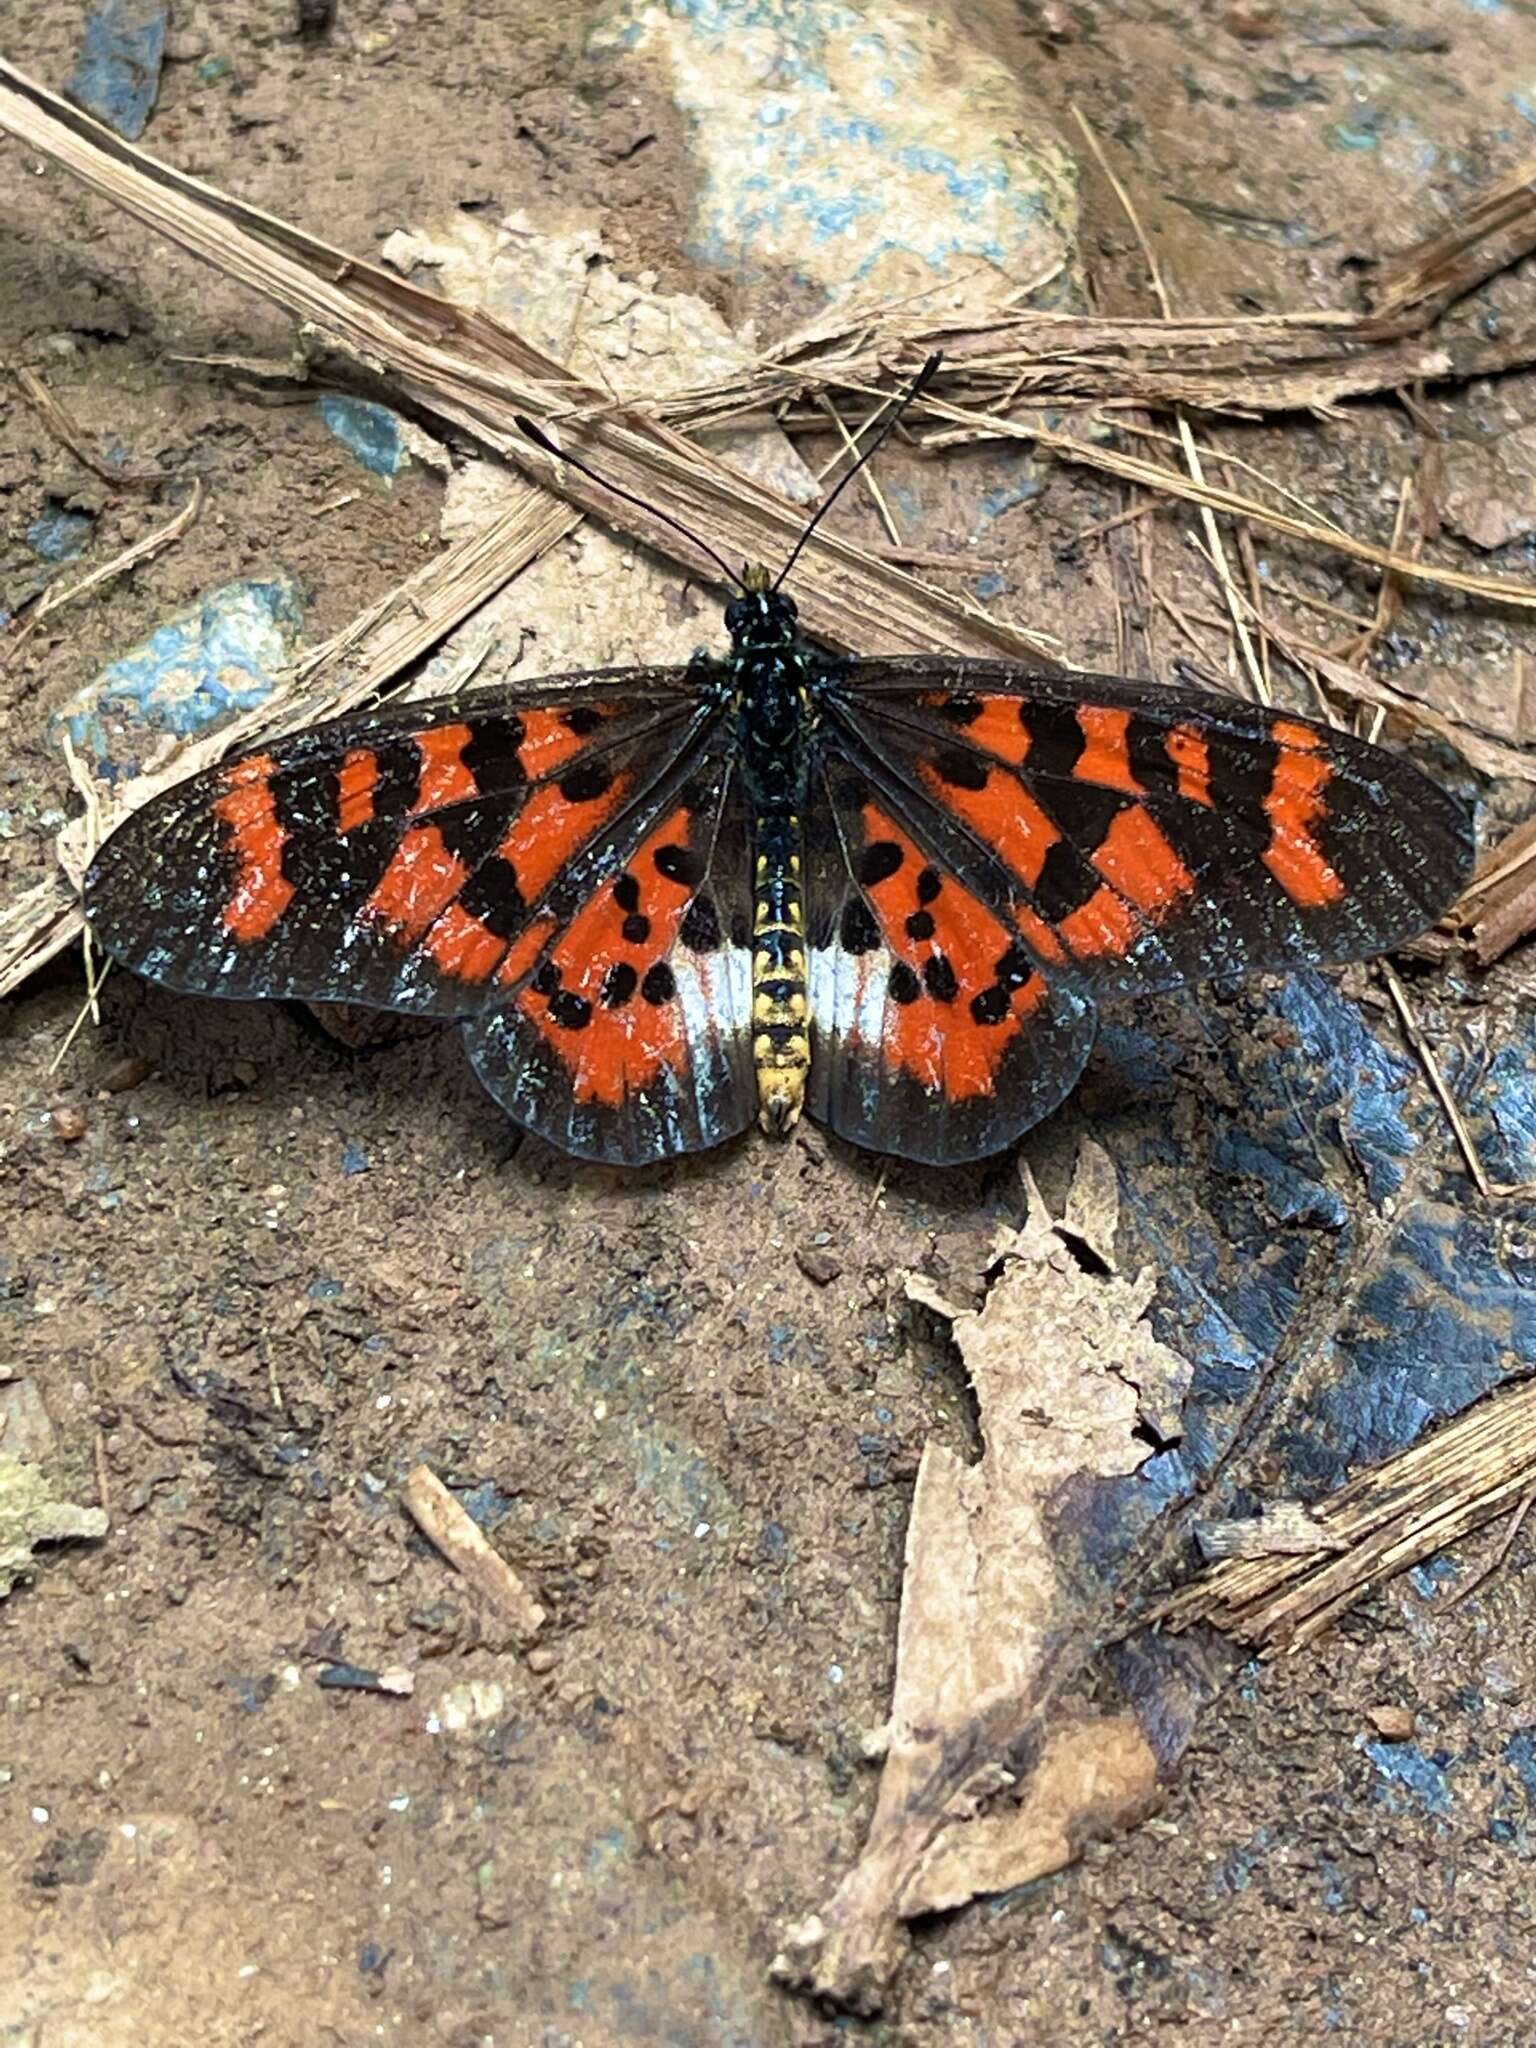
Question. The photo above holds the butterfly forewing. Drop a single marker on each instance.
(1152, 837)
(415, 861)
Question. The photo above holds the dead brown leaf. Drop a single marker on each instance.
(994, 1627)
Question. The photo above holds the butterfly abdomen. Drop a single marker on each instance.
(781, 1046)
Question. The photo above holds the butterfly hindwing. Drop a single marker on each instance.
(408, 861)
(630, 1039)
(936, 1032)
(1152, 836)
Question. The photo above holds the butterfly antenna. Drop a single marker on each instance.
(919, 383)
(540, 439)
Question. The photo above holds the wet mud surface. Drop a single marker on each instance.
(254, 1276)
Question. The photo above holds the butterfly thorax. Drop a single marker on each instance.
(771, 673)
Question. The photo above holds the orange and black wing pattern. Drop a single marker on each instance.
(536, 860)
(1001, 849)
(936, 1032)
(577, 874)
(630, 1041)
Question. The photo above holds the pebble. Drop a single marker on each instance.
(68, 1122)
(1392, 1724)
(125, 1074)
(817, 1265)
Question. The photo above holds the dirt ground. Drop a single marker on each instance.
(275, 1273)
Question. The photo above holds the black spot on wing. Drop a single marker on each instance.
(570, 1011)
(939, 978)
(1242, 773)
(1014, 969)
(586, 782)
(879, 861)
(619, 984)
(1055, 739)
(492, 895)
(990, 1006)
(1146, 748)
(659, 985)
(472, 831)
(1066, 882)
(680, 864)
(491, 752)
(961, 770)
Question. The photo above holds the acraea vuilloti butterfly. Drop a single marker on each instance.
(890, 892)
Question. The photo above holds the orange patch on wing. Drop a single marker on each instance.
(1104, 924)
(523, 953)
(462, 946)
(550, 830)
(1000, 729)
(1004, 816)
(1293, 806)
(420, 882)
(619, 1048)
(1191, 756)
(548, 743)
(444, 778)
(1037, 933)
(356, 781)
(1106, 757)
(1136, 858)
(1029, 998)
(262, 892)
(940, 1045)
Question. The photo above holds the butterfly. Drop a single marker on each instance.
(890, 893)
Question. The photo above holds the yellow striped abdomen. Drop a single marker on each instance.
(781, 1045)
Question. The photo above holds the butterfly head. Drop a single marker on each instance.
(762, 617)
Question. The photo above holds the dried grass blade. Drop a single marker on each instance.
(469, 369)
(1453, 1481)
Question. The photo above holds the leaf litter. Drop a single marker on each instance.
(996, 1770)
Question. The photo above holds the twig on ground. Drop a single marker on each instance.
(61, 423)
(1498, 905)
(441, 1519)
(1453, 1480)
(57, 595)
(1186, 437)
(866, 476)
